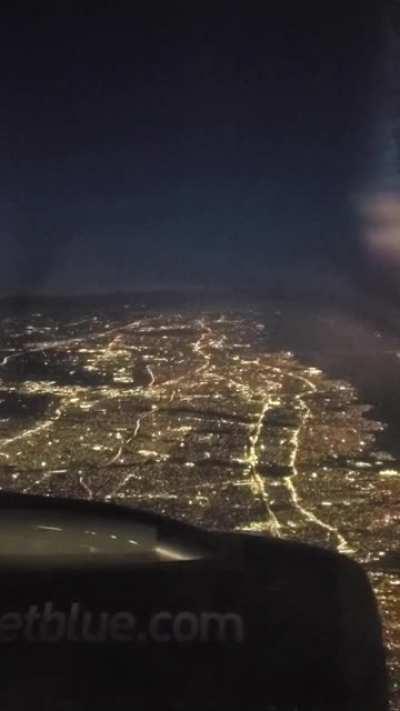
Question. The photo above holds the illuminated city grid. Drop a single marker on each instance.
(189, 415)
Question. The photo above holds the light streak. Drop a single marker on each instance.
(120, 450)
(252, 461)
(288, 481)
(33, 431)
(198, 347)
(8, 358)
(152, 378)
(86, 487)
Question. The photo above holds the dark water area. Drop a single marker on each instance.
(346, 348)
(377, 381)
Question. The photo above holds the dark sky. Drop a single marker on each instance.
(181, 146)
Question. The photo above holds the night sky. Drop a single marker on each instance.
(182, 145)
